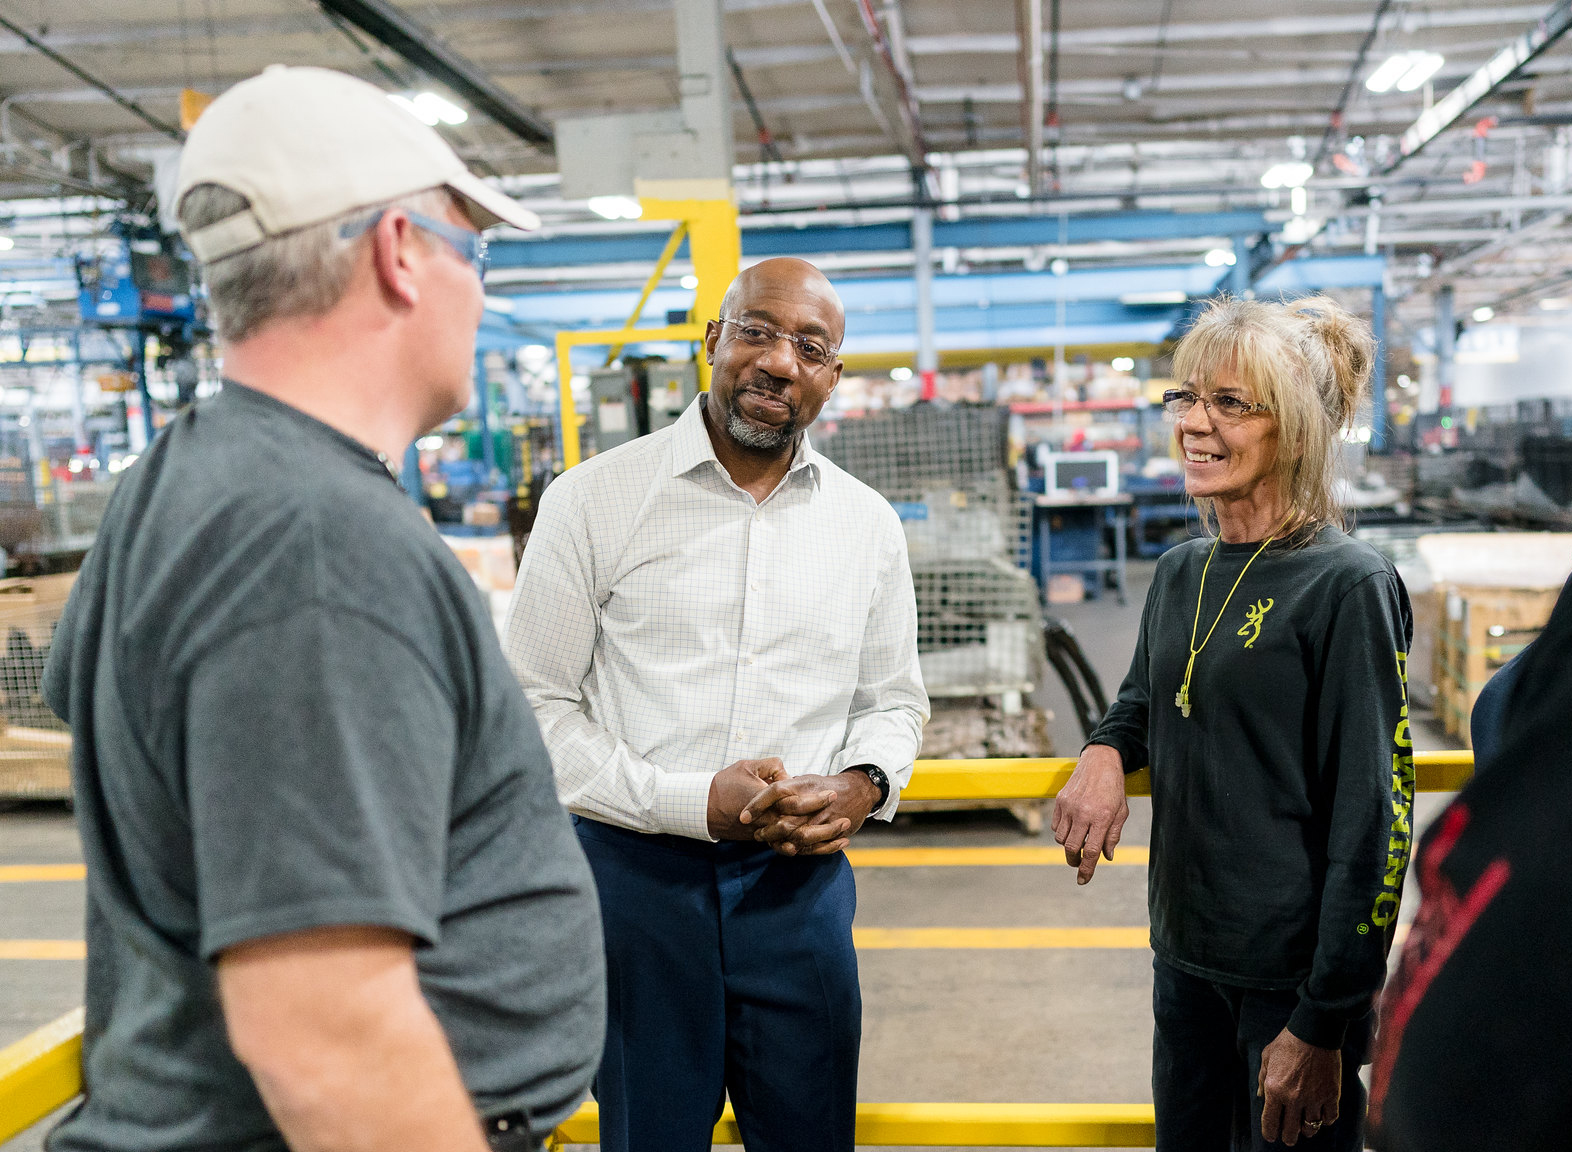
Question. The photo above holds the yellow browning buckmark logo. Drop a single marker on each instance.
(1253, 617)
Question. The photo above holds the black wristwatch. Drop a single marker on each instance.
(880, 781)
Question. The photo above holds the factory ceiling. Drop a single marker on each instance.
(845, 111)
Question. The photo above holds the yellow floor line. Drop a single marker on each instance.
(43, 949)
(1035, 855)
(40, 873)
(871, 939)
(868, 939)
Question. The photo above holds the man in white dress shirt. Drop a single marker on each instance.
(717, 630)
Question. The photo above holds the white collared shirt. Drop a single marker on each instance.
(665, 625)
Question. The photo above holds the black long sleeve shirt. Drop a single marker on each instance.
(1281, 807)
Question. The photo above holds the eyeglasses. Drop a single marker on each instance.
(1227, 407)
(762, 335)
(471, 246)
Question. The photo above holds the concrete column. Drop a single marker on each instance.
(1239, 275)
(1378, 414)
(922, 255)
(1446, 347)
(703, 81)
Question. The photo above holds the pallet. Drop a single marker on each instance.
(1481, 629)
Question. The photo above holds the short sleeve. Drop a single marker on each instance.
(319, 757)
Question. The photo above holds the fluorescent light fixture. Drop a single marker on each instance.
(1221, 257)
(1556, 303)
(900, 374)
(690, 282)
(1424, 66)
(1291, 174)
(1299, 200)
(1405, 71)
(1136, 299)
(1484, 313)
(1122, 364)
(429, 108)
(1393, 70)
(429, 443)
(616, 207)
(6, 243)
(1300, 230)
(1060, 266)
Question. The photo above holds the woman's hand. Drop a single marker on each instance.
(1300, 1085)
(1090, 811)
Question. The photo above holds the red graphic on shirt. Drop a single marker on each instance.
(1444, 919)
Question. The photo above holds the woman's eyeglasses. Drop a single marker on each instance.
(1228, 407)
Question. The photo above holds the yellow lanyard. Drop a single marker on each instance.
(1182, 697)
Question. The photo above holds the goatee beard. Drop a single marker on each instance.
(759, 437)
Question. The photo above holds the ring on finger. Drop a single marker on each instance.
(1313, 1125)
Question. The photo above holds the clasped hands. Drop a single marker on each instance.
(795, 815)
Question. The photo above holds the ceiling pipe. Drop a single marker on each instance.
(86, 77)
(917, 147)
(1489, 77)
(1029, 27)
(1335, 123)
(391, 27)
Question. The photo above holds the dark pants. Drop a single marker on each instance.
(1206, 1060)
(730, 969)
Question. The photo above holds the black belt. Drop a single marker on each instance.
(510, 1132)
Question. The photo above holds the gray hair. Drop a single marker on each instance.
(303, 273)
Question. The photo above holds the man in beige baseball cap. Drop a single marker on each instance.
(334, 902)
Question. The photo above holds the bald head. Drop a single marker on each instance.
(789, 277)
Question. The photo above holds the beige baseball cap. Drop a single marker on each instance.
(304, 145)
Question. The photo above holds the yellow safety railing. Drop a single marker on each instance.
(42, 1072)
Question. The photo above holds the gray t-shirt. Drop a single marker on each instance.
(291, 710)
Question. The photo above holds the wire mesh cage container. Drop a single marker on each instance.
(979, 629)
(969, 521)
(35, 749)
(73, 511)
(909, 448)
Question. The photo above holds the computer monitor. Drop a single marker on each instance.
(1072, 474)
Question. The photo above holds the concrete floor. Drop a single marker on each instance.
(939, 1024)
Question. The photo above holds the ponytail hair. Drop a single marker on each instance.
(1309, 362)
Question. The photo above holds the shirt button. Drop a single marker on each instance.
(742, 736)
(754, 587)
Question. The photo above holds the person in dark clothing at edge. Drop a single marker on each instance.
(333, 902)
(1475, 1045)
(1268, 693)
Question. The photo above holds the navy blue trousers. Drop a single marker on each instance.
(730, 969)
(1206, 1062)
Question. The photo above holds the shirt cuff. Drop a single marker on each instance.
(682, 804)
(1317, 1026)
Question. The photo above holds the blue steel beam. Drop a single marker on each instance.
(896, 295)
(1000, 232)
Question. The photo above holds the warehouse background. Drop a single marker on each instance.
(1023, 203)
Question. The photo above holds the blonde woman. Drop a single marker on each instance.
(1267, 694)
